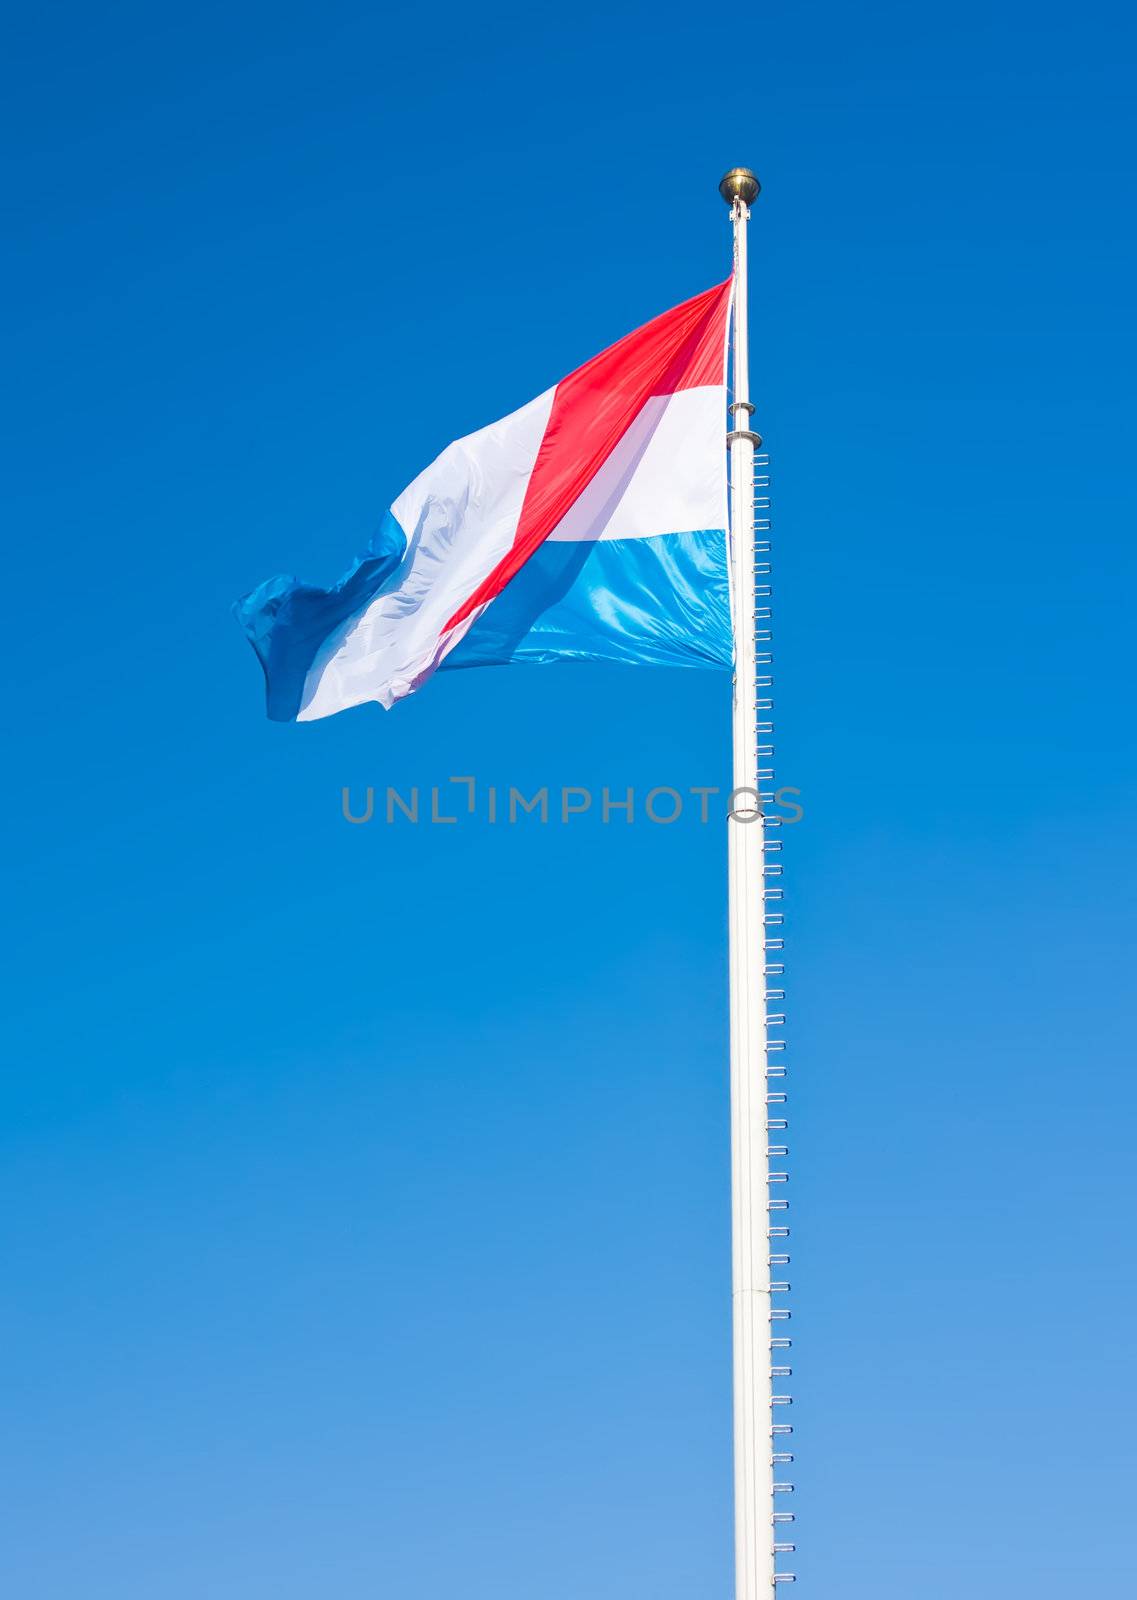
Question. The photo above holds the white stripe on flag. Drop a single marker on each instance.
(460, 516)
(666, 475)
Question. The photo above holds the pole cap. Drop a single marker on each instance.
(740, 184)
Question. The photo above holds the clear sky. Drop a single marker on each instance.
(364, 1190)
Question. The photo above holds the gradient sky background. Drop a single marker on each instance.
(365, 1190)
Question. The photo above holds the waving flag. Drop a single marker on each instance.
(590, 525)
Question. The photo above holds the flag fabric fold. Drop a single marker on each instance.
(590, 525)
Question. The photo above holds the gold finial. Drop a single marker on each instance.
(740, 184)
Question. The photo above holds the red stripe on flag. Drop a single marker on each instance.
(595, 406)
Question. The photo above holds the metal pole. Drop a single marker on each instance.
(753, 1465)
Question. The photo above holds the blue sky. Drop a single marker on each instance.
(365, 1190)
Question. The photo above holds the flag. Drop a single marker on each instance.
(590, 525)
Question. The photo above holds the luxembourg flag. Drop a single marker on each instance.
(590, 525)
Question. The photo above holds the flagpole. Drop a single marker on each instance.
(753, 1465)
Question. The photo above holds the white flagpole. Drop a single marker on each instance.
(753, 1465)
